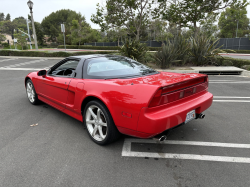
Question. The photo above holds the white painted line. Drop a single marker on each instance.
(233, 101)
(174, 142)
(22, 69)
(188, 157)
(221, 80)
(126, 151)
(8, 59)
(25, 63)
(233, 97)
(231, 82)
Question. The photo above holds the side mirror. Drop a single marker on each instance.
(42, 73)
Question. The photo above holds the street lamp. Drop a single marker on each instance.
(30, 5)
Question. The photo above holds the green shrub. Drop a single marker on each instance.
(148, 57)
(25, 47)
(227, 62)
(154, 48)
(228, 51)
(100, 47)
(89, 47)
(173, 52)
(203, 51)
(134, 50)
(236, 51)
(5, 44)
(224, 61)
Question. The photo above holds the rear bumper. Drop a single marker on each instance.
(153, 121)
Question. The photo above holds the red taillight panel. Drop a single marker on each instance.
(182, 85)
(178, 91)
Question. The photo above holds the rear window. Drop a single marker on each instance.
(116, 67)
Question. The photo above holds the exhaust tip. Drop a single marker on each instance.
(201, 116)
(162, 138)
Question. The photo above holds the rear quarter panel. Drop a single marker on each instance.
(118, 98)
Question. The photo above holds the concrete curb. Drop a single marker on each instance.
(179, 71)
(245, 73)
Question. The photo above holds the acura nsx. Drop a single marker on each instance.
(114, 94)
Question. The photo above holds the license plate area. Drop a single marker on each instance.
(190, 116)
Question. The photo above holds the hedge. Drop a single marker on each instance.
(99, 47)
(227, 61)
(235, 51)
(46, 54)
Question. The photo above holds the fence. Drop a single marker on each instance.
(225, 43)
(234, 43)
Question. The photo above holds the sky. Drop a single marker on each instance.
(42, 8)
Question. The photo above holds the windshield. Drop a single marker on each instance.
(117, 67)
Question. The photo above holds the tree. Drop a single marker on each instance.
(159, 30)
(7, 17)
(8, 27)
(187, 13)
(116, 34)
(80, 30)
(2, 16)
(228, 22)
(131, 14)
(39, 33)
(20, 22)
(21, 38)
(208, 27)
(2, 38)
(52, 23)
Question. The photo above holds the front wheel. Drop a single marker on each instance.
(31, 93)
(99, 123)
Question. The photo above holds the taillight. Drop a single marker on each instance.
(173, 92)
(156, 99)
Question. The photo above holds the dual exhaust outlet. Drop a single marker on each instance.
(164, 137)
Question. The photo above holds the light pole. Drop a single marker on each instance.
(30, 5)
(237, 27)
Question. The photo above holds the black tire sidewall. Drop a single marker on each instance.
(110, 123)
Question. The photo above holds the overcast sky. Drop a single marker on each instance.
(42, 8)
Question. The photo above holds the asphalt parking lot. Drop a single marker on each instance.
(214, 151)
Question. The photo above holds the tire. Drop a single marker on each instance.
(99, 123)
(31, 93)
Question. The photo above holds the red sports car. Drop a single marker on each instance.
(115, 94)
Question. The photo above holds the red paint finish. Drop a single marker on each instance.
(129, 100)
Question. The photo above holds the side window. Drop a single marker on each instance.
(66, 69)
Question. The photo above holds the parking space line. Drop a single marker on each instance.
(231, 97)
(25, 63)
(239, 82)
(233, 101)
(221, 80)
(126, 151)
(174, 142)
(22, 69)
(8, 59)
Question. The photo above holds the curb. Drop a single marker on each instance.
(179, 71)
(245, 73)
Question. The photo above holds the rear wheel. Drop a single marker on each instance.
(99, 123)
(31, 92)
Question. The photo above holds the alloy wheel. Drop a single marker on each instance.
(30, 92)
(96, 123)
